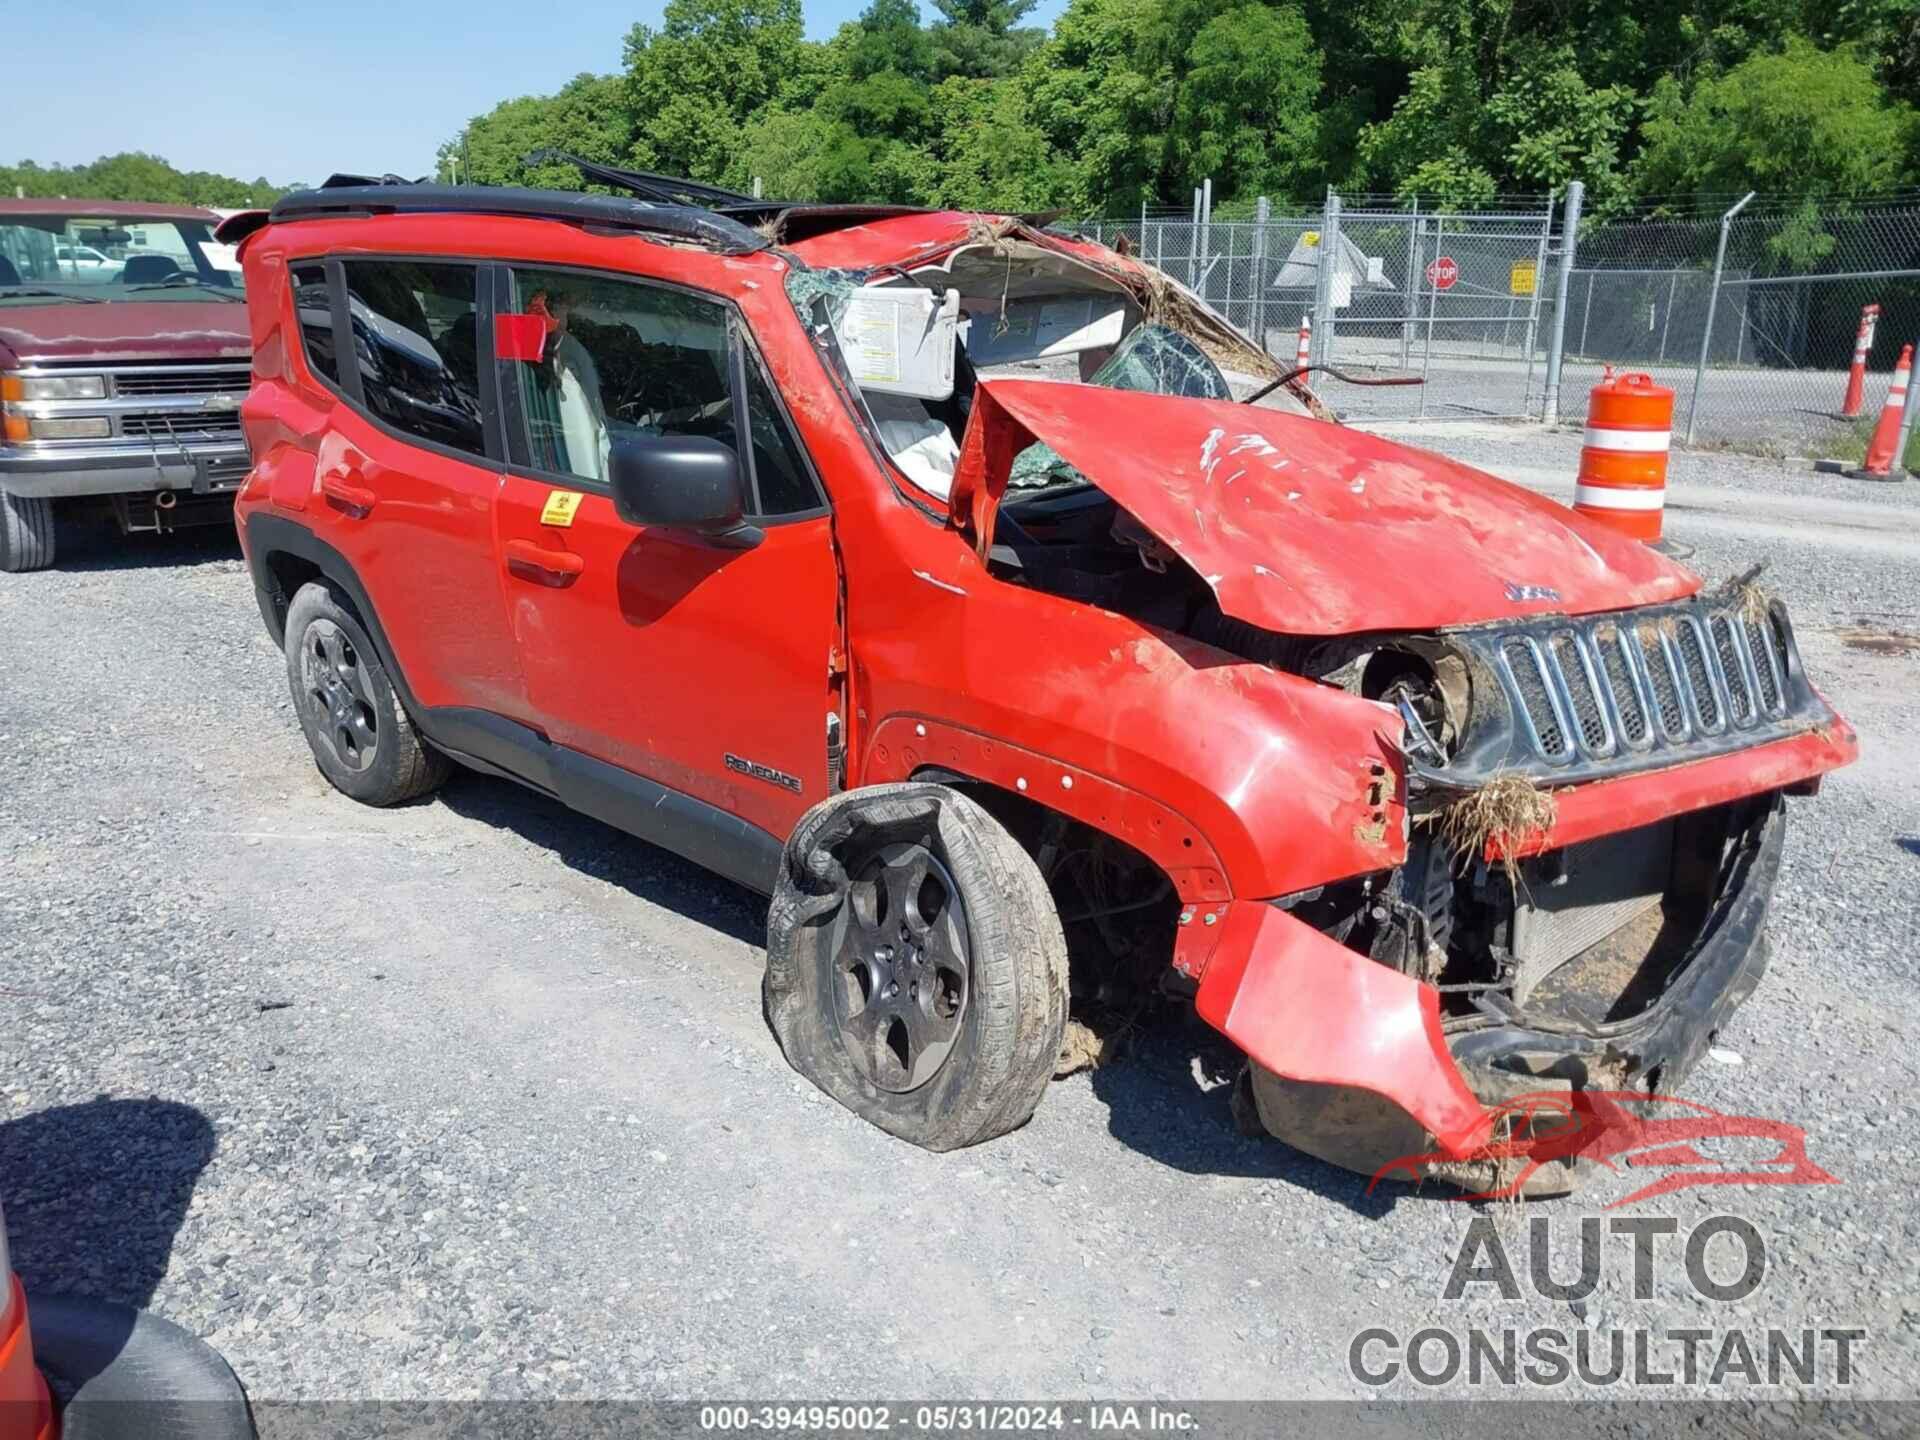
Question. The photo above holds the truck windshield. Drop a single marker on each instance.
(65, 254)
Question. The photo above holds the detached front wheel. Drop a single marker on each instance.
(916, 968)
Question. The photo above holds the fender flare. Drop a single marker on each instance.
(269, 535)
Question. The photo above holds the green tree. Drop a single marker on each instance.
(1803, 122)
(887, 37)
(133, 175)
(1098, 103)
(588, 117)
(977, 39)
(694, 83)
(1244, 112)
(991, 155)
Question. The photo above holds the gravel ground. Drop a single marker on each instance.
(1775, 412)
(473, 1097)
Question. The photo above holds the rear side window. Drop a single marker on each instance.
(314, 308)
(415, 346)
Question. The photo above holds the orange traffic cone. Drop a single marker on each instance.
(1303, 352)
(1857, 373)
(1881, 456)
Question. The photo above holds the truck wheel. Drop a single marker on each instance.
(916, 968)
(362, 738)
(26, 532)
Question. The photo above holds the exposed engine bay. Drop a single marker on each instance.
(1584, 936)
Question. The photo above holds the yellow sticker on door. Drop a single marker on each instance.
(560, 507)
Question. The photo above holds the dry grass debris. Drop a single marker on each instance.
(1504, 813)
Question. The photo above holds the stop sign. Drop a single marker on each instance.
(1442, 272)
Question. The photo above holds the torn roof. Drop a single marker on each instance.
(908, 237)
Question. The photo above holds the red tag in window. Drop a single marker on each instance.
(520, 337)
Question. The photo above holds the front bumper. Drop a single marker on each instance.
(120, 468)
(1309, 1009)
(26, 1413)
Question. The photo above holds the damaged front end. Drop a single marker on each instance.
(1611, 966)
(1557, 883)
(1597, 812)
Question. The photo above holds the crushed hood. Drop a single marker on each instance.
(1306, 527)
(126, 330)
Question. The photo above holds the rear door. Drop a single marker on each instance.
(702, 668)
(411, 475)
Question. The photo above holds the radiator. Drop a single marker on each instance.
(1607, 883)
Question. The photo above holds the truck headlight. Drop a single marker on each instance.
(84, 427)
(53, 387)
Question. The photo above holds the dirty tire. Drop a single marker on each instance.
(1009, 1032)
(126, 1374)
(26, 532)
(362, 738)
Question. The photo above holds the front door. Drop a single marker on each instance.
(704, 669)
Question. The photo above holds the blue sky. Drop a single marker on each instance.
(293, 93)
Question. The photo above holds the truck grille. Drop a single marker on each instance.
(1632, 687)
(181, 425)
(130, 382)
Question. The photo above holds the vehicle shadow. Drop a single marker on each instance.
(1169, 1098)
(82, 545)
(95, 1193)
(606, 854)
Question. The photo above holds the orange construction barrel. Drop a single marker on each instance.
(1623, 460)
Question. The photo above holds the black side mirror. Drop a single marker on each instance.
(682, 482)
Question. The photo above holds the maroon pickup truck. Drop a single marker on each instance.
(124, 357)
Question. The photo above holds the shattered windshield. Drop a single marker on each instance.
(1158, 361)
(1153, 360)
(913, 346)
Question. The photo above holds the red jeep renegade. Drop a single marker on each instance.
(1009, 618)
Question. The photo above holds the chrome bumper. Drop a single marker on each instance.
(171, 426)
(121, 468)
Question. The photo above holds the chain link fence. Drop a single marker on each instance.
(1754, 339)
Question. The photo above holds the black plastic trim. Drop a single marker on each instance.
(705, 834)
(1499, 740)
(675, 222)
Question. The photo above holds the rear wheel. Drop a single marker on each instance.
(26, 532)
(124, 1374)
(916, 969)
(361, 736)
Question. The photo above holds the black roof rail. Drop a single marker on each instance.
(645, 185)
(797, 219)
(691, 223)
(338, 181)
